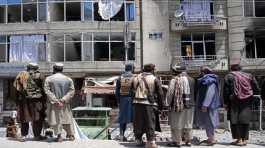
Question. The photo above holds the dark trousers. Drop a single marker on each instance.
(36, 127)
(144, 121)
(122, 128)
(240, 131)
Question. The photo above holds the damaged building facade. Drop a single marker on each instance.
(246, 33)
(68, 31)
(168, 33)
(188, 33)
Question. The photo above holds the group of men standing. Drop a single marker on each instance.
(140, 104)
(141, 99)
(37, 100)
(189, 102)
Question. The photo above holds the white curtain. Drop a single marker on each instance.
(109, 8)
(197, 11)
(15, 48)
(24, 48)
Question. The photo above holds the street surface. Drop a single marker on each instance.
(257, 140)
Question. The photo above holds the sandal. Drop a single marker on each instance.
(139, 143)
(21, 139)
(59, 139)
(188, 144)
(207, 143)
(71, 138)
(241, 144)
(173, 144)
(234, 142)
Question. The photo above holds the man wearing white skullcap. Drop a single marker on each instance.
(60, 90)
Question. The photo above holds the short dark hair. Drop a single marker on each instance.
(129, 67)
(206, 70)
(57, 69)
(235, 67)
(149, 67)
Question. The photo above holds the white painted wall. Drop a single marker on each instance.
(155, 19)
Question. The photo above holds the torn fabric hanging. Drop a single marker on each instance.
(109, 8)
(197, 11)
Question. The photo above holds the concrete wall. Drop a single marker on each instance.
(237, 25)
(236, 28)
(1, 95)
(78, 68)
(155, 20)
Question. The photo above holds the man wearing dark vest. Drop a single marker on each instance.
(124, 98)
(148, 97)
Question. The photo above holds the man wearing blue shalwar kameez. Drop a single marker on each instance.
(207, 104)
(123, 87)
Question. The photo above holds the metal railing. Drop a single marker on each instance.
(198, 60)
(205, 15)
(260, 108)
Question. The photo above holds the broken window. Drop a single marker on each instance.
(117, 51)
(2, 13)
(255, 43)
(14, 13)
(101, 50)
(131, 51)
(198, 45)
(120, 16)
(97, 16)
(130, 12)
(88, 11)
(259, 8)
(56, 10)
(254, 8)
(117, 46)
(29, 12)
(42, 11)
(73, 47)
(101, 46)
(73, 11)
(3, 47)
(56, 42)
(127, 12)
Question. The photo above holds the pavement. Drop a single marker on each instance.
(5, 143)
(257, 140)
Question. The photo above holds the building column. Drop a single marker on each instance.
(1, 95)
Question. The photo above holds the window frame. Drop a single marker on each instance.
(47, 3)
(21, 44)
(93, 41)
(203, 41)
(254, 38)
(253, 9)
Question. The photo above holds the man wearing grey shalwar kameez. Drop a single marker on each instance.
(60, 90)
(179, 98)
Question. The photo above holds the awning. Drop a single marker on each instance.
(99, 90)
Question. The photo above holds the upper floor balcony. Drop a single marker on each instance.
(199, 15)
(216, 62)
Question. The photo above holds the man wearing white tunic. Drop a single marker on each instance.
(180, 97)
(60, 90)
